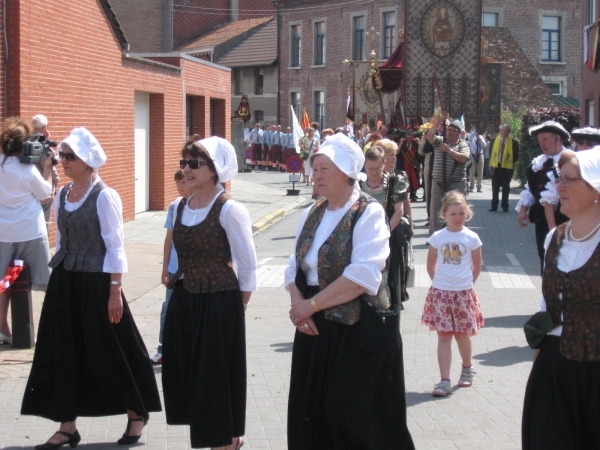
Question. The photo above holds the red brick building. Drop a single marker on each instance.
(590, 80)
(79, 72)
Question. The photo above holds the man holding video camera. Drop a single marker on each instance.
(22, 189)
(40, 125)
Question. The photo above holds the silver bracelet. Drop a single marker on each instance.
(116, 283)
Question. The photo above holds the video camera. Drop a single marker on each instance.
(35, 147)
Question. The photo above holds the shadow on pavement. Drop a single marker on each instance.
(505, 356)
(516, 321)
(283, 238)
(283, 347)
(416, 398)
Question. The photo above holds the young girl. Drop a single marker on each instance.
(451, 307)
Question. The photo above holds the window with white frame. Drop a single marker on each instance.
(555, 88)
(489, 19)
(591, 11)
(319, 40)
(296, 45)
(551, 39)
(358, 38)
(319, 109)
(388, 35)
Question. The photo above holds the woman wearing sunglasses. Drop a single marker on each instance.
(24, 236)
(204, 341)
(562, 407)
(89, 359)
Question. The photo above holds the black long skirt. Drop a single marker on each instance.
(204, 365)
(562, 402)
(83, 365)
(343, 397)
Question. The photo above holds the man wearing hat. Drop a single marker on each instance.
(539, 203)
(585, 138)
(504, 154)
(449, 167)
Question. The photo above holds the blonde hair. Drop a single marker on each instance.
(455, 198)
(389, 147)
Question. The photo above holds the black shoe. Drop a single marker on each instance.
(504, 209)
(74, 439)
(127, 439)
(493, 209)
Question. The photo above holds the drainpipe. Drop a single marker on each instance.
(279, 67)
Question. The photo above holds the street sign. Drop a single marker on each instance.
(294, 178)
(248, 153)
(294, 164)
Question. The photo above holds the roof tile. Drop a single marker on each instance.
(224, 33)
(260, 49)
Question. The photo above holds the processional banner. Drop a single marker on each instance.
(441, 67)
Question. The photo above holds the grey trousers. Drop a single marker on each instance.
(437, 194)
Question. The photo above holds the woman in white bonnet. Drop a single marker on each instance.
(204, 342)
(347, 381)
(562, 398)
(89, 359)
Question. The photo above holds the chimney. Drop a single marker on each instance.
(234, 10)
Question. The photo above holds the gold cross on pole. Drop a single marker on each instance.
(373, 35)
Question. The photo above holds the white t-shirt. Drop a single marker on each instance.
(21, 190)
(454, 256)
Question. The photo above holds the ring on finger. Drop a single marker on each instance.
(305, 325)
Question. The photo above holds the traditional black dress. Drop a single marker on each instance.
(204, 343)
(562, 399)
(347, 384)
(83, 365)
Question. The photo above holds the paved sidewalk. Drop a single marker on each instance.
(485, 415)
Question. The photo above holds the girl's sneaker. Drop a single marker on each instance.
(466, 377)
(442, 389)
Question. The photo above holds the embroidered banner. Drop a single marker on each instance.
(442, 40)
(491, 97)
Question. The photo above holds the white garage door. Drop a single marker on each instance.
(142, 152)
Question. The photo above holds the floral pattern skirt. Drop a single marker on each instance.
(452, 311)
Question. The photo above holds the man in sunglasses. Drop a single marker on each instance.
(539, 203)
(585, 138)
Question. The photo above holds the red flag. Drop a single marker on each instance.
(305, 119)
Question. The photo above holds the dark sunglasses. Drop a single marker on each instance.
(586, 143)
(193, 163)
(68, 156)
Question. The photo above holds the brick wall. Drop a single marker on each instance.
(522, 86)
(76, 75)
(334, 77)
(142, 22)
(590, 80)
